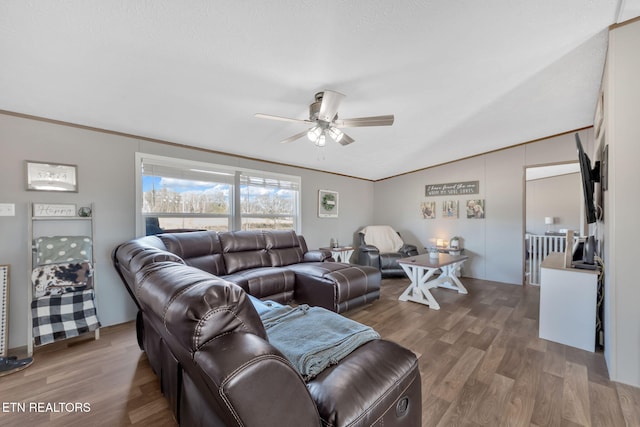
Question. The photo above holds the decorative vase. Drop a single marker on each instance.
(454, 243)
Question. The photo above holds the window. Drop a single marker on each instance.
(174, 194)
(268, 202)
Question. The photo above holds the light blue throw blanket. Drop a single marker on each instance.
(313, 338)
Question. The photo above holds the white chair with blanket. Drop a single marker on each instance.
(381, 247)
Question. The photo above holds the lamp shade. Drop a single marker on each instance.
(548, 220)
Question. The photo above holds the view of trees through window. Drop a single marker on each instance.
(187, 204)
(266, 205)
(175, 198)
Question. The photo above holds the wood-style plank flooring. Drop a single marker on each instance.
(481, 363)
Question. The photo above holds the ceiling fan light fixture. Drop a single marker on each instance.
(335, 134)
(314, 133)
(324, 123)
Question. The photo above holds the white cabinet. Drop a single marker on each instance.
(568, 303)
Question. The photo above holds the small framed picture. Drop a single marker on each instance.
(51, 177)
(475, 208)
(327, 204)
(428, 210)
(450, 209)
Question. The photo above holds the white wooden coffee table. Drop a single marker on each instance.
(421, 268)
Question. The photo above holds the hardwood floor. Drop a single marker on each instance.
(482, 363)
(480, 360)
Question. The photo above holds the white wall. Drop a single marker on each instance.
(106, 177)
(622, 204)
(558, 197)
(495, 244)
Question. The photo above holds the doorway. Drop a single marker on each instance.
(553, 205)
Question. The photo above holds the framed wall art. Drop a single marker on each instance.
(450, 209)
(475, 208)
(428, 210)
(51, 177)
(327, 204)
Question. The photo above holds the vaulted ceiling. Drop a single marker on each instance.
(462, 78)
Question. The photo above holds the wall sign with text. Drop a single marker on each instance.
(452, 188)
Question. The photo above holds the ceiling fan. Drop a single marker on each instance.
(324, 122)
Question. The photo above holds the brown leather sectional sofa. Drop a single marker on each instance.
(274, 265)
(199, 297)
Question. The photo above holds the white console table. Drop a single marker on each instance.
(568, 303)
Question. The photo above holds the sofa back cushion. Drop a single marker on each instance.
(284, 247)
(195, 306)
(200, 249)
(243, 250)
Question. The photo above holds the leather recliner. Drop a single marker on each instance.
(384, 260)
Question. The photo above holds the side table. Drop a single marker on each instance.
(448, 250)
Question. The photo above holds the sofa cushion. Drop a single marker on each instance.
(317, 269)
(271, 283)
(243, 250)
(354, 281)
(336, 286)
(200, 249)
(284, 247)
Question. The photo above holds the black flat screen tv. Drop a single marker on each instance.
(589, 177)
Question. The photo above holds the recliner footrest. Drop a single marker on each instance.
(336, 286)
(366, 391)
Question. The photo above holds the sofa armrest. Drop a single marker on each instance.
(254, 384)
(369, 248)
(409, 250)
(317, 256)
(368, 255)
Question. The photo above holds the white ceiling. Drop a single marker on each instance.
(462, 78)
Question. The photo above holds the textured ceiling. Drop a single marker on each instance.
(462, 78)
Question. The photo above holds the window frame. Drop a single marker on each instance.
(268, 176)
(235, 215)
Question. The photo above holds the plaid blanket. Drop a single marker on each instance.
(63, 316)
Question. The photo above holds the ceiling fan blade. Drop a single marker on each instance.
(329, 108)
(294, 137)
(365, 121)
(346, 139)
(283, 119)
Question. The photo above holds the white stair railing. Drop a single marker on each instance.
(538, 247)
